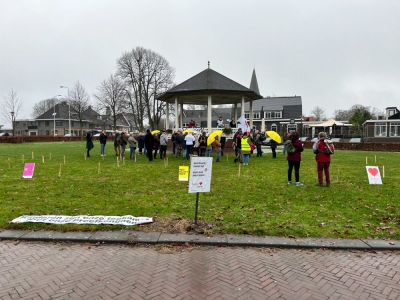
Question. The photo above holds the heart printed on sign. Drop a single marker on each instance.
(200, 183)
(373, 171)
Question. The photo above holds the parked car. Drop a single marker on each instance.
(92, 131)
(314, 140)
(70, 134)
(305, 138)
(355, 140)
(335, 140)
(6, 134)
(267, 142)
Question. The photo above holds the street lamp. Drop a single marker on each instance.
(54, 115)
(12, 122)
(54, 130)
(69, 110)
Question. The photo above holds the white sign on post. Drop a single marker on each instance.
(200, 174)
(374, 176)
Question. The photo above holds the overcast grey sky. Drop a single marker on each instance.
(332, 53)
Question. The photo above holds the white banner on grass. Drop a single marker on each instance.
(113, 220)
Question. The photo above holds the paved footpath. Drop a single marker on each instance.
(45, 270)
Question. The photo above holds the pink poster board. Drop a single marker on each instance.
(29, 168)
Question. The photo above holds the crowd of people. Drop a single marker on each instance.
(188, 143)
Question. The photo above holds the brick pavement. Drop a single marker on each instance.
(34, 270)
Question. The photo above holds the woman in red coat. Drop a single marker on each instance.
(323, 148)
(294, 159)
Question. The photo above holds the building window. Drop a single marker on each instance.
(256, 115)
(47, 132)
(58, 123)
(273, 127)
(391, 112)
(395, 129)
(247, 115)
(46, 124)
(273, 115)
(16, 124)
(380, 129)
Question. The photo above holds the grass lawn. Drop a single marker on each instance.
(259, 201)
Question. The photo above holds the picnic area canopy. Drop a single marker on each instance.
(329, 123)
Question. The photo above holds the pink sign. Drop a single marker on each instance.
(29, 168)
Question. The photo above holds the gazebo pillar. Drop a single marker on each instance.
(181, 116)
(242, 106)
(167, 117)
(235, 112)
(209, 117)
(251, 114)
(176, 114)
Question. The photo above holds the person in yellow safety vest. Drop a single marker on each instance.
(246, 149)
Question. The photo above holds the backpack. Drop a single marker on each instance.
(330, 148)
(203, 141)
(290, 148)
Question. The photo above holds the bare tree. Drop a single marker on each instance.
(318, 113)
(111, 94)
(44, 105)
(342, 114)
(147, 75)
(11, 106)
(79, 101)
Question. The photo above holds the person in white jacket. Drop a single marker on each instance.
(163, 144)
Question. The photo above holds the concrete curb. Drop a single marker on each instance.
(228, 240)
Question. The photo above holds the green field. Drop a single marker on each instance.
(259, 201)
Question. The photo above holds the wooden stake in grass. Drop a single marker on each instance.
(59, 170)
(165, 162)
(50, 155)
(42, 158)
(227, 157)
(239, 170)
(366, 160)
(9, 163)
(84, 155)
(98, 168)
(117, 161)
(338, 173)
(33, 157)
(23, 158)
(375, 158)
(135, 157)
(123, 160)
(64, 159)
(383, 171)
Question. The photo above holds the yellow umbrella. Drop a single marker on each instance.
(273, 135)
(211, 137)
(187, 131)
(155, 132)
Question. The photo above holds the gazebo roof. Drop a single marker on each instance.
(196, 90)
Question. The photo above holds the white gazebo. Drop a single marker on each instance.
(208, 88)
